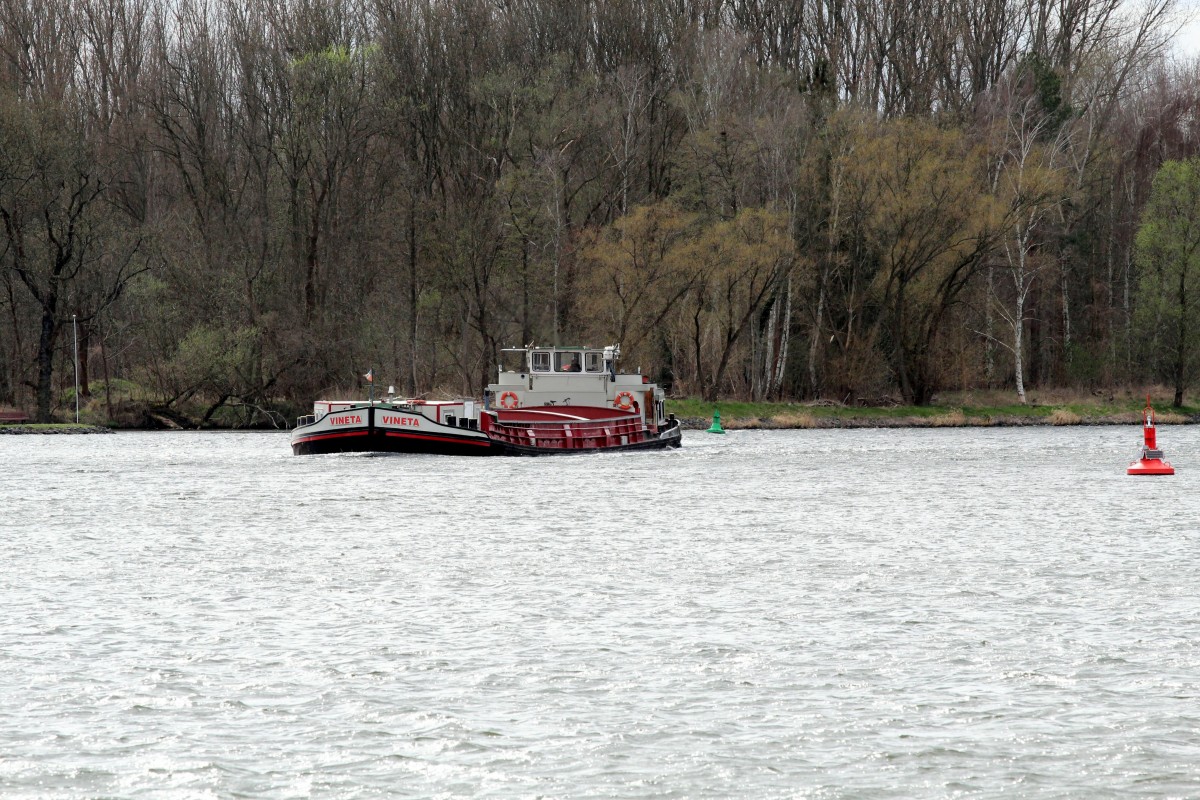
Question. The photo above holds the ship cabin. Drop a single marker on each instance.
(573, 376)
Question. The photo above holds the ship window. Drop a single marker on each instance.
(569, 362)
(540, 361)
(593, 362)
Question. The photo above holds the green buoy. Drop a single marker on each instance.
(716, 426)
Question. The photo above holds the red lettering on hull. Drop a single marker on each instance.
(409, 422)
(351, 419)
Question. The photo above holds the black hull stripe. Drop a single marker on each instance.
(394, 434)
(385, 441)
(339, 435)
(430, 438)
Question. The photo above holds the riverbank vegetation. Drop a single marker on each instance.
(954, 410)
(974, 408)
(235, 207)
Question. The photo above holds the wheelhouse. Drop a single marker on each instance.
(551, 360)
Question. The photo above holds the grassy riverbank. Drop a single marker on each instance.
(949, 410)
(958, 410)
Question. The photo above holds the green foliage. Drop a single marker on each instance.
(217, 360)
(738, 265)
(1168, 257)
(637, 269)
(927, 221)
(1084, 367)
(332, 56)
(1046, 83)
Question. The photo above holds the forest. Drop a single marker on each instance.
(228, 208)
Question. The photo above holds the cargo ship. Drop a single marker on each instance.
(545, 401)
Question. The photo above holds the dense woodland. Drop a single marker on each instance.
(233, 206)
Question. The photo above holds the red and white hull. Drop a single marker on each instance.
(376, 429)
(547, 430)
(552, 430)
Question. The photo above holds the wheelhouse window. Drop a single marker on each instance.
(569, 362)
(593, 362)
(539, 361)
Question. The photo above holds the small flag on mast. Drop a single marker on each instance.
(370, 376)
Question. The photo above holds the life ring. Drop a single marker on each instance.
(623, 400)
(509, 400)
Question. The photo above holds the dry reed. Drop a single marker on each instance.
(1063, 416)
(954, 418)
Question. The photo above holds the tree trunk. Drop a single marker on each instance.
(312, 266)
(1066, 310)
(763, 369)
(526, 322)
(785, 339)
(85, 346)
(815, 343)
(1181, 338)
(705, 391)
(1127, 308)
(901, 358)
(107, 379)
(45, 359)
(1034, 364)
(15, 345)
(1018, 348)
(413, 295)
(989, 345)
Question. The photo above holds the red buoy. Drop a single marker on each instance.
(1151, 462)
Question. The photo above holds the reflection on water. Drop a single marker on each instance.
(859, 613)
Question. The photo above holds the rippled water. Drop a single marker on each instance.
(867, 614)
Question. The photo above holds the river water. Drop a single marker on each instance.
(825, 614)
